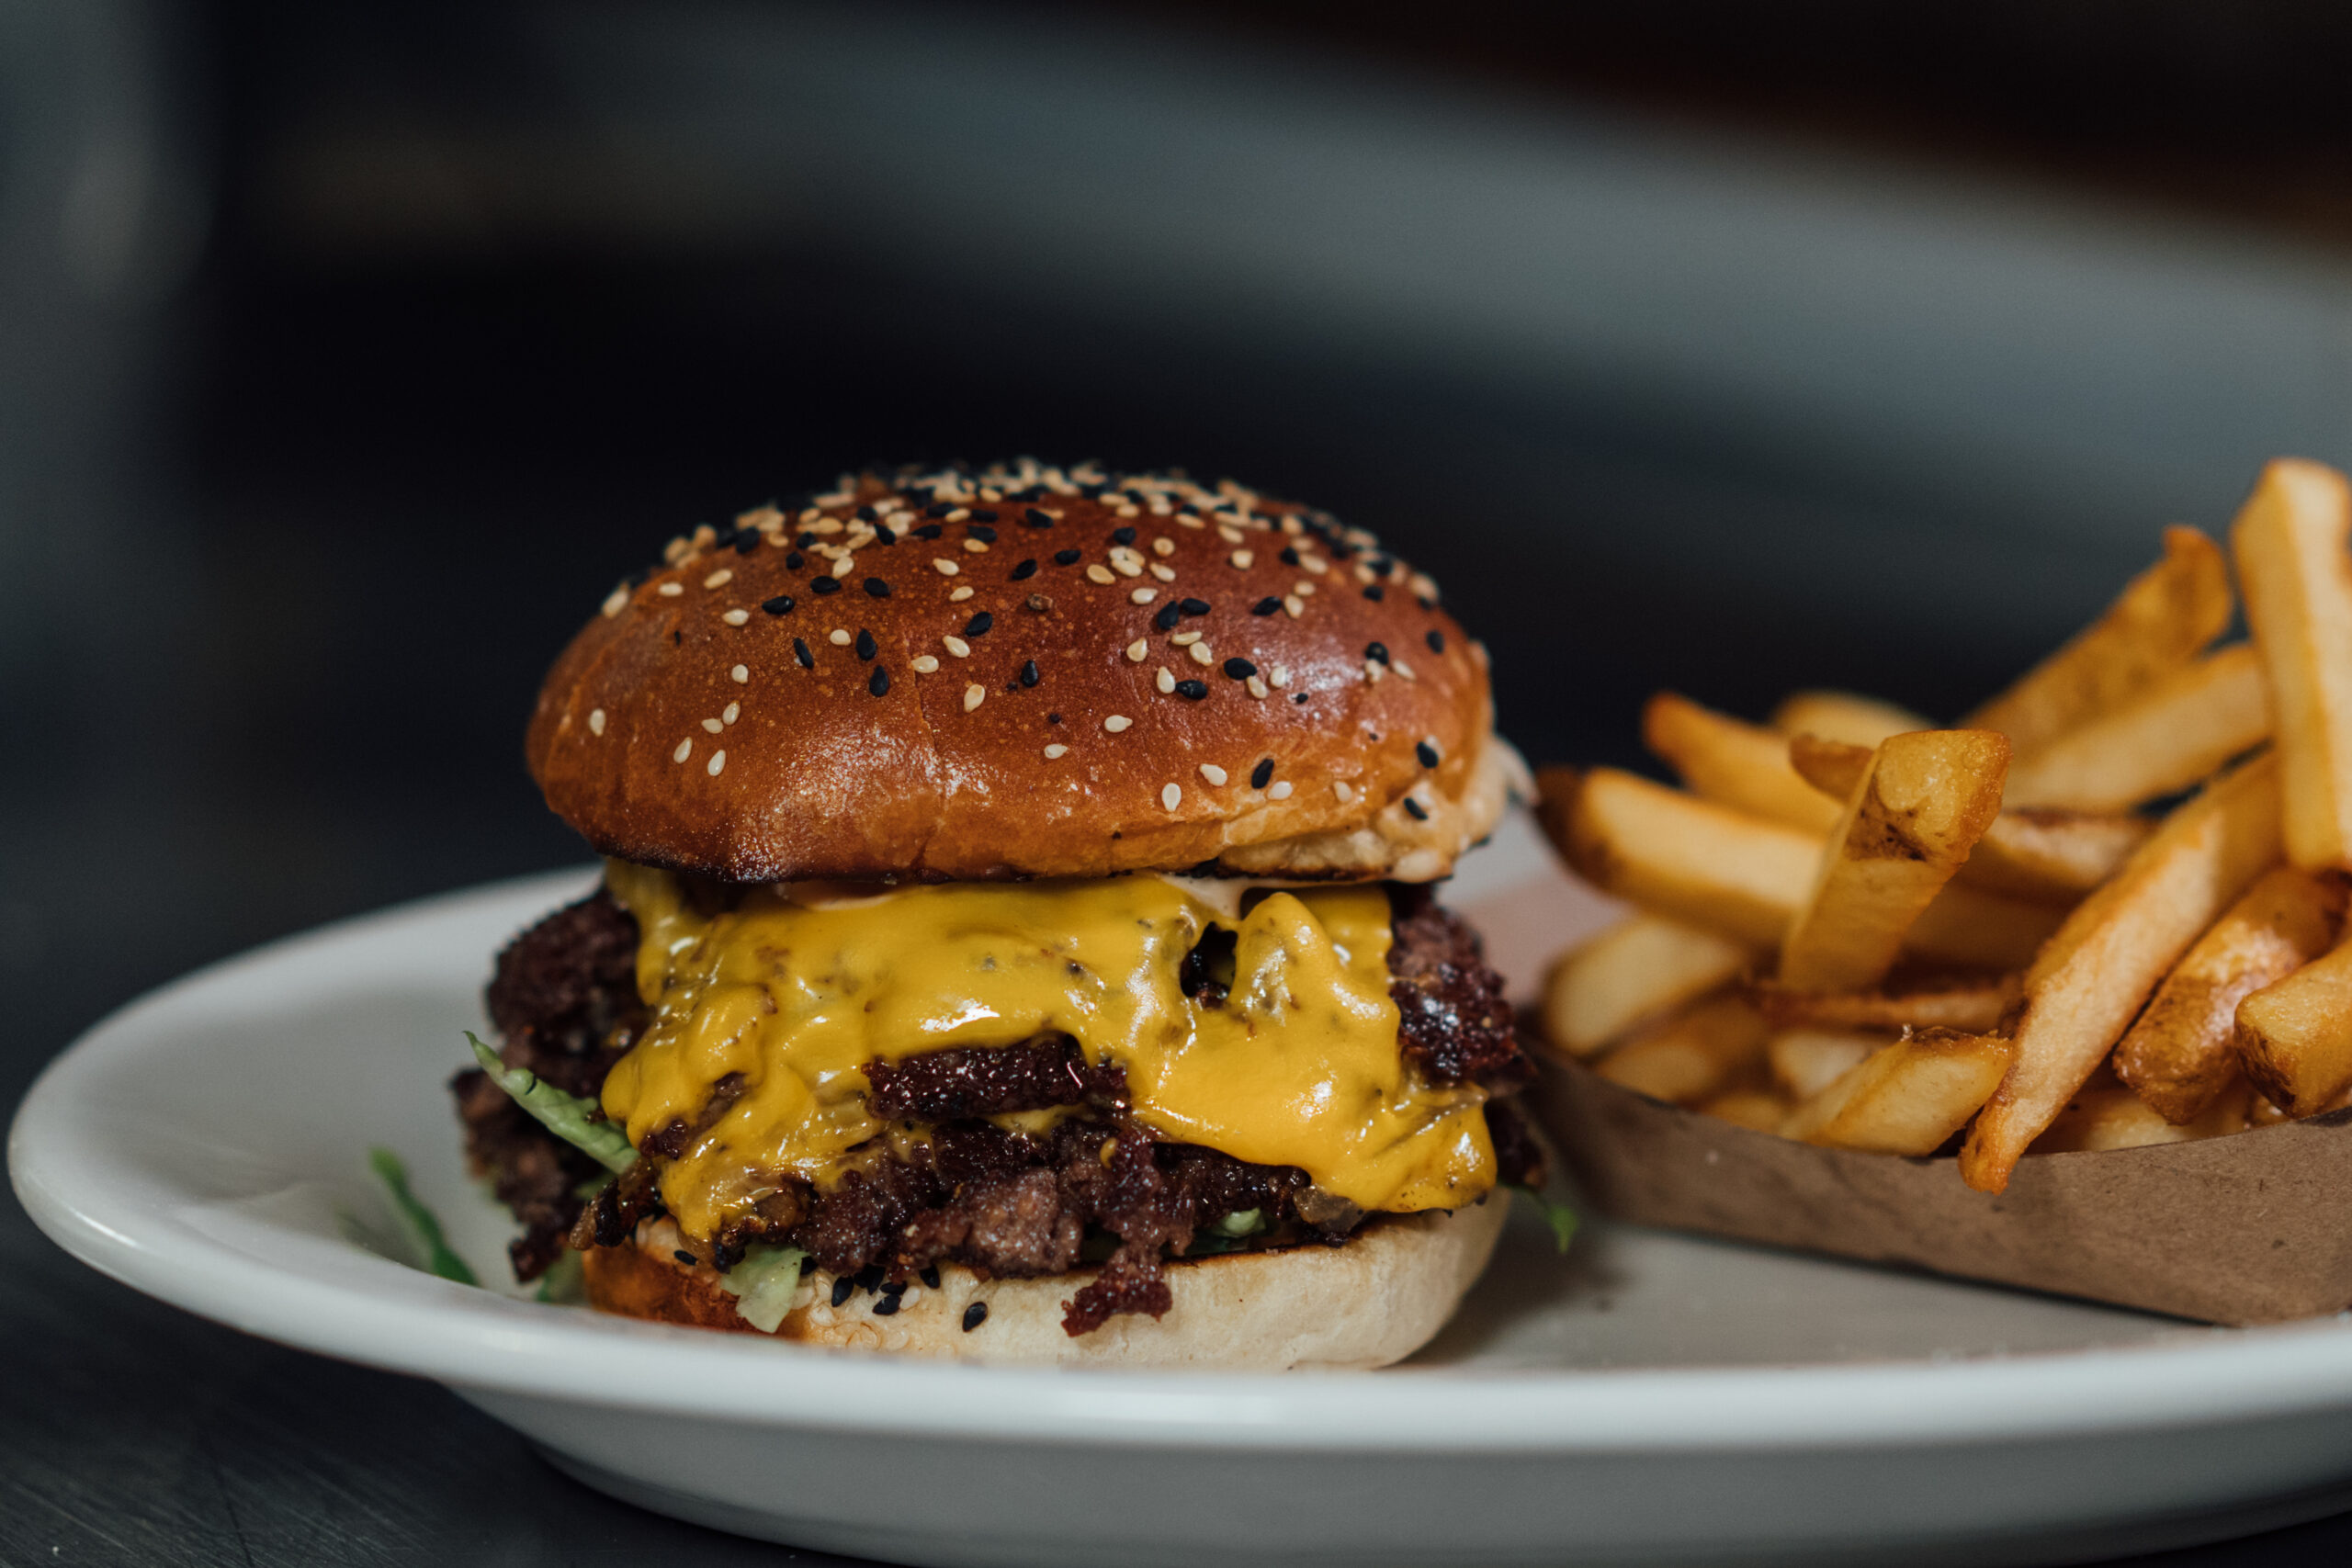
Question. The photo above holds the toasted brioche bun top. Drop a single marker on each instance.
(1024, 671)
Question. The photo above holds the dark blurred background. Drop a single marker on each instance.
(349, 352)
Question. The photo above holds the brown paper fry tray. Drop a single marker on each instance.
(2254, 1228)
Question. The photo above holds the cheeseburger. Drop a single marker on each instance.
(1015, 938)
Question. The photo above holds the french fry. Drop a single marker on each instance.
(1973, 1005)
(2290, 540)
(2090, 979)
(1928, 796)
(1689, 1057)
(2164, 618)
(1907, 1098)
(1842, 716)
(1758, 1109)
(2294, 1036)
(1744, 766)
(1807, 1061)
(2105, 1114)
(2170, 736)
(1682, 856)
(2181, 1054)
(2053, 856)
(1638, 969)
(1832, 767)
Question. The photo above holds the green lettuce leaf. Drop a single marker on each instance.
(763, 1284)
(1242, 1222)
(422, 1225)
(568, 1116)
(1562, 1219)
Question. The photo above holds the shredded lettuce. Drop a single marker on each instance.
(1562, 1219)
(564, 1284)
(1242, 1222)
(422, 1225)
(576, 1121)
(763, 1284)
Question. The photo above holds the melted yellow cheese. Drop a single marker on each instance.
(1299, 1066)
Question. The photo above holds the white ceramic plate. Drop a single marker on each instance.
(1649, 1399)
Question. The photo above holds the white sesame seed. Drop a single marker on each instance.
(1278, 677)
(1202, 654)
(1404, 670)
(1126, 562)
(958, 514)
(1130, 510)
(1186, 520)
(713, 726)
(946, 568)
(1144, 595)
(596, 721)
(1242, 558)
(1280, 792)
(1163, 546)
(1341, 788)
(838, 637)
(615, 601)
(736, 618)
(1137, 652)
(1165, 574)
(1056, 752)
(959, 595)
(827, 525)
(923, 663)
(977, 547)
(1294, 607)
(671, 590)
(1315, 564)
(1116, 722)
(686, 750)
(974, 695)
(1214, 774)
(1256, 685)
(957, 646)
(717, 760)
(741, 674)
(1371, 673)
(1228, 533)
(719, 579)
(1185, 639)
(1170, 796)
(1164, 681)
(1099, 573)
(732, 712)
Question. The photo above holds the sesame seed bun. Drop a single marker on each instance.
(1111, 673)
(1373, 1300)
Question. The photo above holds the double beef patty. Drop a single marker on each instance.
(956, 1186)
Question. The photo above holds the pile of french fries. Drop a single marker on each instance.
(2106, 910)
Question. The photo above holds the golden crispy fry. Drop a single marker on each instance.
(1807, 1061)
(1740, 765)
(2290, 541)
(1973, 1005)
(2091, 977)
(1927, 797)
(1643, 966)
(1680, 855)
(1754, 1109)
(1908, 1097)
(1832, 767)
(2167, 739)
(1690, 1057)
(2053, 856)
(2181, 1054)
(1967, 928)
(2163, 619)
(1842, 716)
(2294, 1036)
(2105, 1114)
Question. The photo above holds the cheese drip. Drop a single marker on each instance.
(1298, 1066)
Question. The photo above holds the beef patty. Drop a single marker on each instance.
(953, 1186)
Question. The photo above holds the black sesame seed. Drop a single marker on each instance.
(938, 508)
(1065, 557)
(929, 531)
(1195, 690)
(1037, 519)
(1265, 606)
(688, 1258)
(975, 1315)
(794, 560)
(877, 588)
(930, 1275)
(884, 531)
(1436, 641)
(880, 684)
(1194, 606)
(1416, 810)
(1029, 676)
(886, 1307)
(869, 1276)
(1376, 651)
(982, 514)
(1025, 571)
(1290, 554)
(895, 1289)
(1053, 718)
(1300, 699)
(1239, 668)
(779, 606)
(978, 625)
(1262, 774)
(747, 541)
(808, 537)
(1375, 592)
(800, 651)
(1380, 564)
(1123, 535)
(984, 536)
(842, 1288)
(865, 643)
(867, 514)
(1167, 617)
(1426, 752)
(826, 584)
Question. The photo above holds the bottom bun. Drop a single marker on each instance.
(1375, 1300)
